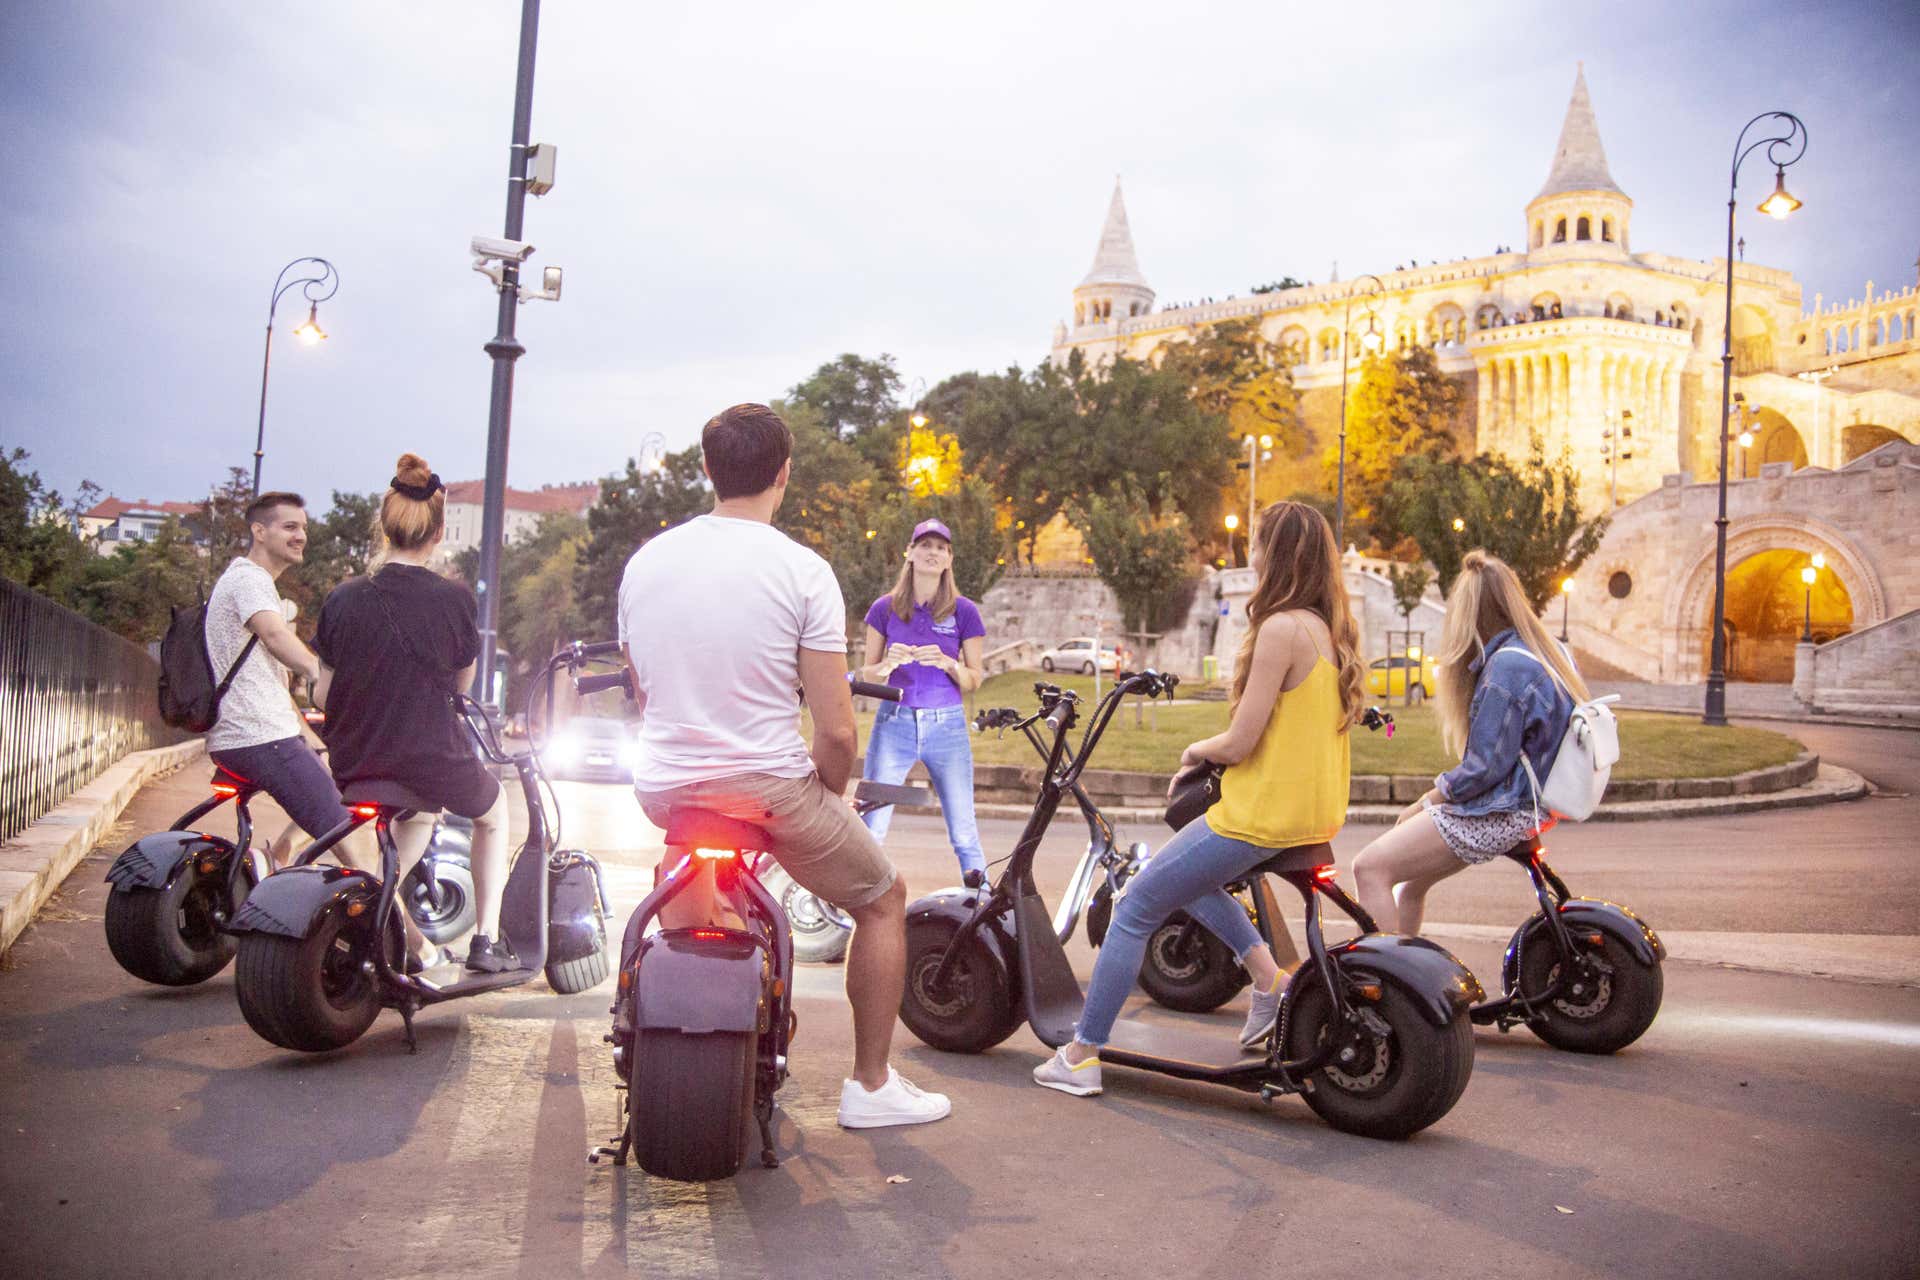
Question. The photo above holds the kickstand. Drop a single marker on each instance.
(618, 1151)
(764, 1114)
(407, 1008)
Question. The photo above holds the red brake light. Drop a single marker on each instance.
(710, 933)
(713, 854)
(367, 810)
(1327, 874)
(226, 789)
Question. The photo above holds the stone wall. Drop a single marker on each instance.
(1876, 671)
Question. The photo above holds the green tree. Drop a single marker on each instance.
(1528, 515)
(1284, 282)
(1015, 430)
(340, 545)
(634, 506)
(133, 590)
(1144, 556)
(221, 525)
(1401, 406)
(1234, 373)
(853, 395)
(40, 544)
(821, 460)
(1143, 422)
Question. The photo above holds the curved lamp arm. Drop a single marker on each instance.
(1791, 145)
(312, 284)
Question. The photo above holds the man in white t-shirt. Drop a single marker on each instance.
(725, 621)
(258, 733)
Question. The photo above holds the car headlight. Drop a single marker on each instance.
(564, 750)
(629, 754)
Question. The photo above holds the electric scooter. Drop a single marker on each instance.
(1373, 1031)
(1582, 974)
(821, 931)
(175, 892)
(703, 1014)
(321, 946)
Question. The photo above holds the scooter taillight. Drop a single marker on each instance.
(711, 934)
(226, 789)
(1327, 874)
(716, 854)
(367, 810)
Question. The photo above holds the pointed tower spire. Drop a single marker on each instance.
(1579, 162)
(1114, 261)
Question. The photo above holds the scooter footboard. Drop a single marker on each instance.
(288, 902)
(1587, 914)
(1443, 987)
(688, 981)
(151, 862)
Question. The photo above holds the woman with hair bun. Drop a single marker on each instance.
(1506, 692)
(400, 643)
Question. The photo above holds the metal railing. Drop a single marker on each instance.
(74, 699)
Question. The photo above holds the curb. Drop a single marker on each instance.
(33, 864)
(1831, 786)
(1879, 959)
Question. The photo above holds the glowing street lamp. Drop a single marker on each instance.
(1232, 522)
(1807, 576)
(1371, 341)
(1459, 525)
(319, 283)
(1786, 142)
(1566, 602)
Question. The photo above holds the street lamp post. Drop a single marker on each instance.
(1256, 450)
(1566, 603)
(1783, 149)
(317, 288)
(1809, 576)
(1232, 522)
(1346, 344)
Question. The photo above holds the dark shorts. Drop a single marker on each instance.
(292, 773)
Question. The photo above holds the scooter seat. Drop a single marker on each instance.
(705, 829)
(389, 795)
(227, 777)
(1302, 857)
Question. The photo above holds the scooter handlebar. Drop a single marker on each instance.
(584, 649)
(611, 680)
(868, 689)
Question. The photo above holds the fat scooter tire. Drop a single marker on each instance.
(1425, 1071)
(313, 993)
(570, 977)
(169, 936)
(692, 1103)
(817, 937)
(1610, 1022)
(459, 907)
(1197, 979)
(976, 1012)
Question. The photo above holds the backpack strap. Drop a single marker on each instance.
(246, 650)
(1533, 783)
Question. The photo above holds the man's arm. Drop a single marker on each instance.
(633, 681)
(280, 641)
(823, 677)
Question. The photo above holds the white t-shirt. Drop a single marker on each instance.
(715, 613)
(256, 708)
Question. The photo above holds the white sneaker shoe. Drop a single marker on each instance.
(1081, 1079)
(1265, 1011)
(898, 1101)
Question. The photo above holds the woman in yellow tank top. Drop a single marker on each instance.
(1296, 692)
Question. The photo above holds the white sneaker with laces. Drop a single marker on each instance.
(1081, 1079)
(1264, 1012)
(898, 1101)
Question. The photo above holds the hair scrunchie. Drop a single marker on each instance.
(418, 492)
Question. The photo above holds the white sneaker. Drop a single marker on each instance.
(1081, 1079)
(898, 1101)
(1264, 1012)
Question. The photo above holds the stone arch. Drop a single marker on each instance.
(1487, 316)
(1606, 230)
(1545, 306)
(1560, 231)
(1539, 233)
(1583, 227)
(1775, 439)
(1861, 438)
(1405, 335)
(1329, 343)
(1688, 615)
(1294, 345)
(1752, 340)
(1446, 323)
(1619, 306)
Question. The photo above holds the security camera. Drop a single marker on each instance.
(505, 250)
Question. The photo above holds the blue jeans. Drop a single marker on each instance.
(1188, 873)
(936, 736)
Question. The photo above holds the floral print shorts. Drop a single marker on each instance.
(1480, 838)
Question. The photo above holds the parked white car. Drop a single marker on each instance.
(1077, 655)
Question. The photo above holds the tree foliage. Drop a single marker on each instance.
(1409, 583)
(40, 543)
(634, 505)
(1145, 556)
(1528, 515)
(1401, 406)
(1233, 372)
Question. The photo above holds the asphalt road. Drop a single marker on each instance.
(1766, 1125)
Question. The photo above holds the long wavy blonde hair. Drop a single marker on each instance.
(1485, 600)
(1300, 569)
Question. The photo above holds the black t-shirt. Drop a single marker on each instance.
(390, 711)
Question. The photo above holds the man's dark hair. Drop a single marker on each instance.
(745, 447)
(258, 509)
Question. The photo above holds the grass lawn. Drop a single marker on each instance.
(1652, 745)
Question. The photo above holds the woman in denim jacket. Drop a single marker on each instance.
(1505, 688)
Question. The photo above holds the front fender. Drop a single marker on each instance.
(1443, 987)
(1610, 917)
(694, 984)
(948, 909)
(288, 902)
(152, 861)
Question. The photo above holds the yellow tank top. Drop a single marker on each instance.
(1293, 788)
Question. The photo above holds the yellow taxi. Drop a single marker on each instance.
(1389, 677)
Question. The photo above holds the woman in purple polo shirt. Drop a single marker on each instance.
(924, 638)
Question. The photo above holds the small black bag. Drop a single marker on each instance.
(1194, 792)
(189, 697)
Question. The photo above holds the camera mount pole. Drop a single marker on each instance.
(504, 349)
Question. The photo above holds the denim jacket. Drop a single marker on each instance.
(1517, 706)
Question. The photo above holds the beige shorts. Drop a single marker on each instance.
(817, 837)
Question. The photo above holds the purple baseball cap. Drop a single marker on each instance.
(926, 527)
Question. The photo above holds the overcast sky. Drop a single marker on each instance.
(747, 190)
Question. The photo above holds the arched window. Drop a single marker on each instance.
(1539, 233)
(1486, 316)
(1560, 231)
(1329, 344)
(1606, 229)
(1583, 229)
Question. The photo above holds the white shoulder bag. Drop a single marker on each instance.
(1585, 761)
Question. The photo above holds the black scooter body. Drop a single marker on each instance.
(152, 862)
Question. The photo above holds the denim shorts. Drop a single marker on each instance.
(292, 773)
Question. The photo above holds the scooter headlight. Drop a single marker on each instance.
(564, 750)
